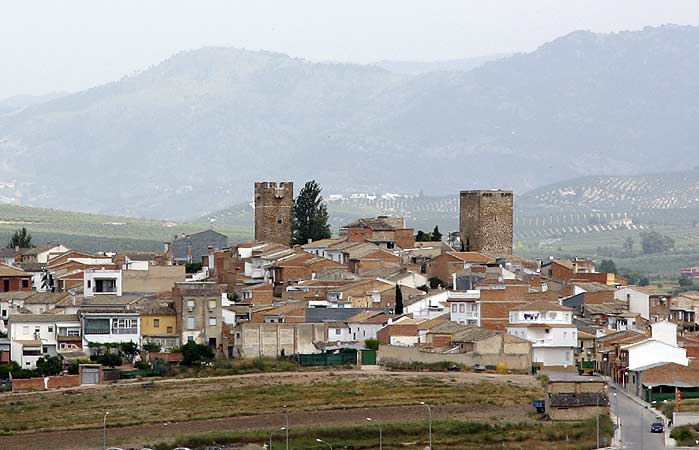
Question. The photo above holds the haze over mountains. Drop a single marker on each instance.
(191, 134)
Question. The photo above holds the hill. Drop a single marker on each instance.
(418, 68)
(92, 232)
(191, 134)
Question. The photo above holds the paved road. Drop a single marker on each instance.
(635, 423)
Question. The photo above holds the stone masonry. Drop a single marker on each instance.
(486, 221)
(274, 206)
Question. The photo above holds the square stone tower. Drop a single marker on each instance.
(274, 212)
(486, 221)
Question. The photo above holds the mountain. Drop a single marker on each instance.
(191, 134)
(16, 103)
(453, 65)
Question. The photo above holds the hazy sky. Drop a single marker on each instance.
(70, 45)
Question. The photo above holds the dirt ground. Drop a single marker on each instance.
(139, 435)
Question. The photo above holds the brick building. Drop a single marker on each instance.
(274, 207)
(486, 223)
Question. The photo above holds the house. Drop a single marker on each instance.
(110, 326)
(651, 303)
(299, 266)
(191, 248)
(690, 272)
(365, 325)
(151, 278)
(549, 327)
(614, 316)
(319, 247)
(408, 332)
(11, 303)
(464, 307)
(33, 336)
(102, 282)
(159, 323)
(257, 294)
(426, 306)
(660, 347)
(591, 292)
(13, 279)
(366, 293)
(608, 353)
(684, 311)
(41, 302)
(40, 254)
(498, 297)
(372, 260)
(656, 381)
(387, 232)
(445, 265)
(199, 312)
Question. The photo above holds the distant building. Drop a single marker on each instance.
(690, 272)
(191, 248)
(486, 222)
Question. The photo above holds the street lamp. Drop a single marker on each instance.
(616, 413)
(380, 433)
(104, 430)
(272, 433)
(326, 443)
(429, 410)
(286, 426)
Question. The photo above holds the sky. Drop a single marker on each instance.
(69, 45)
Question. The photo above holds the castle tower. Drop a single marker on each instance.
(274, 206)
(486, 221)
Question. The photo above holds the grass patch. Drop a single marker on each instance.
(446, 435)
(216, 398)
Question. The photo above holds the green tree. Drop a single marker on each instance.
(129, 349)
(372, 344)
(628, 245)
(193, 353)
(654, 242)
(399, 300)
(109, 359)
(21, 238)
(607, 266)
(310, 215)
(436, 234)
(685, 282)
(152, 347)
(51, 365)
(421, 236)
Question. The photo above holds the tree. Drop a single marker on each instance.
(607, 266)
(399, 301)
(628, 245)
(21, 238)
(193, 353)
(371, 344)
(434, 282)
(51, 365)
(685, 281)
(129, 349)
(310, 215)
(654, 242)
(436, 235)
(109, 359)
(421, 236)
(152, 347)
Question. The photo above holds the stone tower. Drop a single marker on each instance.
(486, 221)
(274, 207)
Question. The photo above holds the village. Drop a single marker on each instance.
(377, 296)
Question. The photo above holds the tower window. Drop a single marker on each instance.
(279, 220)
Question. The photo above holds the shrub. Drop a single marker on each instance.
(371, 344)
(109, 359)
(152, 347)
(501, 368)
(193, 353)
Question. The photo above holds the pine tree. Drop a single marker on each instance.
(21, 238)
(436, 235)
(310, 215)
(399, 300)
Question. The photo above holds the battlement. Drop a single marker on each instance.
(274, 185)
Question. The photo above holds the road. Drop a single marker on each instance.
(635, 423)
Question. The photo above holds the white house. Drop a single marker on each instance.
(110, 327)
(464, 307)
(548, 326)
(35, 335)
(102, 282)
(366, 324)
(645, 301)
(660, 348)
(338, 332)
(427, 306)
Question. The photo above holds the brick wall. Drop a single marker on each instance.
(37, 384)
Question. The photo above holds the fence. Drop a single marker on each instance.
(329, 359)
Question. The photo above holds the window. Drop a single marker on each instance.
(169, 329)
(190, 323)
(25, 330)
(462, 307)
(190, 338)
(50, 329)
(4, 313)
(212, 321)
(553, 316)
(453, 307)
(190, 305)
(89, 284)
(25, 283)
(565, 335)
(212, 304)
(37, 330)
(156, 323)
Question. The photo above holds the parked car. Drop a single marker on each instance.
(212, 448)
(182, 448)
(114, 448)
(657, 427)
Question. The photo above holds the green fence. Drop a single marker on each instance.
(340, 358)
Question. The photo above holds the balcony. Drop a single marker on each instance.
(133, 330)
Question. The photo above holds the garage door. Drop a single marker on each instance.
(90, 376)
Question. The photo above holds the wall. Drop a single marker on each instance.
(155, 279)
(274, 204)
(40, 384)
(486, 221)
(516, 362)
(269, 339)
(638, 301)
(685, 418)
(148, 327)
(15, 283)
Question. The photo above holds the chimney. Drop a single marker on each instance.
(211, 258)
